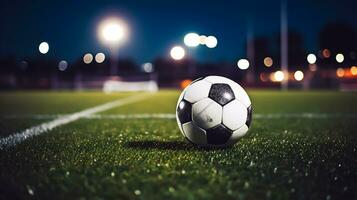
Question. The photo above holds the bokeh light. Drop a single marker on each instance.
(326, 53)
(279, 76)
(311, 58)
(203, 39)
(263, 77)
(340, 58)
(191, 40)
(177, 53)
(44, 47)
(148, 67)
(268, 61)
(299, 75)
(243, 64)
(353, 70)
(185, 83)
(99, 57)
(211, 42)
(87, 58)
(112, 31)
(340, 72)
(62, 65)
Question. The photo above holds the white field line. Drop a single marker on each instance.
(19, 137)
(172, 116)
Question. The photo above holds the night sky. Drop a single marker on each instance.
(155, 26)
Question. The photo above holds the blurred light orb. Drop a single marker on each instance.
(112, 31)
(62, 65)
(263, 77)
(191, 39)
(211, 42)
(243, 64)
(43, 47)
(311, 58)
(99, 57)
(279, 76)
(185, 83)
(87, 58)
(340, 72)
(268, 61)
(340, 58)
(203, 39)
(326, 53)
(353, 70)
(177, 53)
(299, 75)
(148, 67)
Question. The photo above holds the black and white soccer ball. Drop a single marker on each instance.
(214, 111)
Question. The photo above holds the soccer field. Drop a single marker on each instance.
(301, 145)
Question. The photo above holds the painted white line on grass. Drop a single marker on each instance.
(17, 138)
(172, 116)
(255, 116)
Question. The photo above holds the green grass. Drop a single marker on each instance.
(285, 158)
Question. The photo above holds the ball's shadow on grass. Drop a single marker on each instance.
(168, 145)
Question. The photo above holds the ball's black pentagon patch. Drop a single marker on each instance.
(249, 116)
(184, 111)
(197, 79)
(221, 93)
(218, 135)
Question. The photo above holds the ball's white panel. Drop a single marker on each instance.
(197, 91)
(177, 119)
(239, 133)
(234, 115)
(207, 113)
(239, 92)
(217, 79)
(194, 133)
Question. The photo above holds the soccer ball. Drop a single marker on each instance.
(213, 111)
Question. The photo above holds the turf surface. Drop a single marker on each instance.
(281, 158)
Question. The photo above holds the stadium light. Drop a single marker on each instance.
(326, 53)
(191, 39)
(340, 58)
(44, 47)
(203, 39)
(279, 76)
(340, 72)
(299, 75)
(177, 53)
(62, 65)
(268, 61)
(211, 41)
(353, 70)
(87, 58)
(311, 58)
(243, 64)
(99, 57)
(112, 32)
(148, 67)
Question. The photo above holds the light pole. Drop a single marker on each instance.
(284, 44)
(112, 32)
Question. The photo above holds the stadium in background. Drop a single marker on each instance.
(325, 57)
